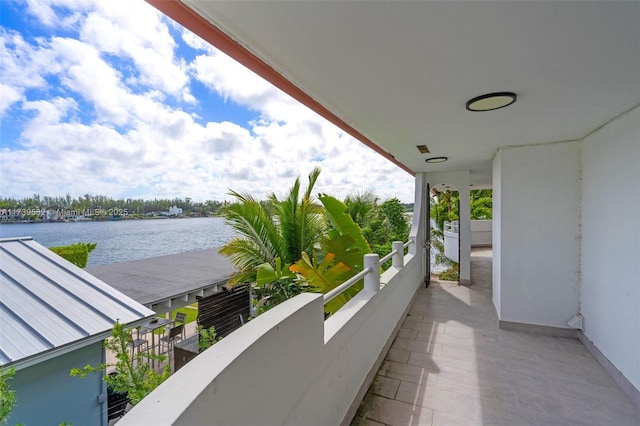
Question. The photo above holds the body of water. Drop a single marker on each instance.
(120, 241)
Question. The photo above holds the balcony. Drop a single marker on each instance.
(449, 364)
(289, 365)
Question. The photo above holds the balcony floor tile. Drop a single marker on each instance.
(451, 365)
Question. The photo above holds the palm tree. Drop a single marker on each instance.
(276, 229)
(481, 203)
(361, 207)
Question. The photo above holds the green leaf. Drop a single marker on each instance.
(343, 223)
(267, 274)
(326, 276)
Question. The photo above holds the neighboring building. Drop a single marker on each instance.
(175, 211)
(54, 316)
(166, 283)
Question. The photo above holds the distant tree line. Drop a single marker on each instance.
(91, 202)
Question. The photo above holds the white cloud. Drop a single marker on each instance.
(43, 11)
(234, 82)
(21, 67)
(107, 129)
(10, 95)
(19, 61)
(138, 34)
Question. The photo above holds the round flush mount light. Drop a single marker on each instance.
(436, 160)
(491, 101)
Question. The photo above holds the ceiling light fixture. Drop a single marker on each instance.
(436, 160)
(423, 149)
(491, 101)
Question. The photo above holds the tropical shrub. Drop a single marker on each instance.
(207, 337)
(361, 207)
(287, 246)
(340, 255)
(134, 374)
(78, 254)
(275, 229)
(7, 394)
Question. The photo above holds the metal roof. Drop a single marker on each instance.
(160, 279)
(48, 305)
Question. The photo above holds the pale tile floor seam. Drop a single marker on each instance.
(451, 365)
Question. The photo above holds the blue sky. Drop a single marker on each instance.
(101, 99)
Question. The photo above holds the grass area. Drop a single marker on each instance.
(190, 311)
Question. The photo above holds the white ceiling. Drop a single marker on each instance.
(401, 72)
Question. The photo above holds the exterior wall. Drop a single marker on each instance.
(538, 221)
(481, 233)
(451, 244)
(610, 293)
(496, 236)
(47, 395)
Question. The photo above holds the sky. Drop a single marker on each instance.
(101, 99)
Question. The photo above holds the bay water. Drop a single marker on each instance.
(121, 241)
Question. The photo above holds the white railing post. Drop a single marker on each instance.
(372, 279)
(398, 258)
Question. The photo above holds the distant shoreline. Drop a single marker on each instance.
(105, 219)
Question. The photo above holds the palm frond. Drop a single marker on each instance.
(253, 223)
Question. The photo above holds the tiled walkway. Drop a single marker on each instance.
(451, 365)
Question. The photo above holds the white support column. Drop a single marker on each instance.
(372, 279)
(418, 223)
(398, 258)
(465, 230)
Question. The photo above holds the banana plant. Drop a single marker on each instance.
(274, 285)
(341, 254)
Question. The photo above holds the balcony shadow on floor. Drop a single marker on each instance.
(451, 365)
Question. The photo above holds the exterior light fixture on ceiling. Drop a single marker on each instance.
(491, 101)
(436, 160)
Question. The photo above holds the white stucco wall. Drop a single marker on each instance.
(481, 233)
(496, 236)
(451, 244)
(610, 293)
(538, 219)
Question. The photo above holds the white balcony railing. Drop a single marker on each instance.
(289, 365)
(452, 240)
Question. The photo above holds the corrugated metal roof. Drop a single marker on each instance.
(47, 303)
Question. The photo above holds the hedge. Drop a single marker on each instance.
(78, 254)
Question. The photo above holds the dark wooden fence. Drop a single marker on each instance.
(223, 310)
